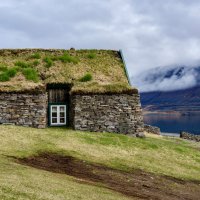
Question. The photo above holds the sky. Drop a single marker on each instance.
(151, 33)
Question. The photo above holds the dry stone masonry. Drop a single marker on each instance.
(152, 129)
(58, 99)
(119, 113)
(23, 109)
(189, 136)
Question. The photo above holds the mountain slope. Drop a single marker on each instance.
(175, 88)
(180, 100)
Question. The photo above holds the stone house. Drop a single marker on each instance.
(85, 89)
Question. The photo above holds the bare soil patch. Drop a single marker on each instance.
(138, 184)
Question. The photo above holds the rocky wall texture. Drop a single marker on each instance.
(152, 129)
(119, 113)
(189, 136)
(23, 109)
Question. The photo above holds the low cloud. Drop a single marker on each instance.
(167, 79)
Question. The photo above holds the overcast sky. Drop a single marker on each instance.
(150, 32)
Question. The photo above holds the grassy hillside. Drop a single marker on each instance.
(90, 70)
(155, 154)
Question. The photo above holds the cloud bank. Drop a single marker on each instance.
(167, 79)
(151, 33)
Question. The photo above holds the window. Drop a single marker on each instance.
(57, 115)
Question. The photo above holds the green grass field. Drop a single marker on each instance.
(160, 155)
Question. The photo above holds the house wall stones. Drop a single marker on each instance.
(119, 113)
(23, 109)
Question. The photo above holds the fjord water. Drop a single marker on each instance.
(173, 123)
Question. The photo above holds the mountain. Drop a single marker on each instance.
(170, 89)
(187, 100)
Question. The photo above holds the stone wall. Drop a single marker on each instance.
(23, 109)
(119, 113)
(152, 129)
(189, 136)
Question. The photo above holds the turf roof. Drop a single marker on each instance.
(87, 70)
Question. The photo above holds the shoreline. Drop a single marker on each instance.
(170, 134)
(177, 113)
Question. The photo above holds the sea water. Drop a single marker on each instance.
(173, 123)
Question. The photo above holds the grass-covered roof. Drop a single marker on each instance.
(87, 70)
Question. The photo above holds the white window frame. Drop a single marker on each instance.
(58, 115)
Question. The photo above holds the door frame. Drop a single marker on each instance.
(50, 117)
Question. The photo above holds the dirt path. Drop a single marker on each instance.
(137, 184)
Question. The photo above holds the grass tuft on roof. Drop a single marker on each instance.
(87, 70)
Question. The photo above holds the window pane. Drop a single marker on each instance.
(54, 114)
(62, 114)
(54, 120)
(62, 108)
(54, 109)
(62, 120)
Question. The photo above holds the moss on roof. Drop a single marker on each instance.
(87, 70)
